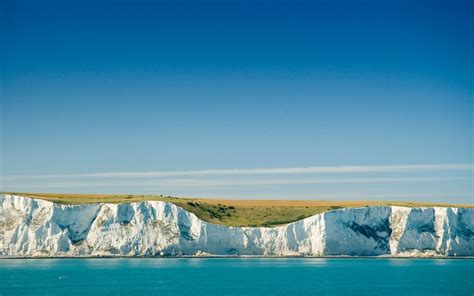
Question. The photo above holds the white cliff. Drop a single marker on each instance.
(38, 228)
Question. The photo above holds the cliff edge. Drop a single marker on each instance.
(37, 228)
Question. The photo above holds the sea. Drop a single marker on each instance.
(236, 276)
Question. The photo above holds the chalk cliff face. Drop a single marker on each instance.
(37, 228)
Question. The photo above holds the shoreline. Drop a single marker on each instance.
(243, 257)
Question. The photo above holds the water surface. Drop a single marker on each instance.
(287, 276)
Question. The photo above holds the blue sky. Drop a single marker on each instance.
(121, 87)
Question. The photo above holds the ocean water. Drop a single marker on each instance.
(229, 276)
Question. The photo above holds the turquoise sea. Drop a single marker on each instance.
(229, 276)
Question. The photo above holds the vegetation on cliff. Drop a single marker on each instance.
(232, 212)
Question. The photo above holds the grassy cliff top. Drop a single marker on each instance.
(233, 212)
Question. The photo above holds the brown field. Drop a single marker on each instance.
(234, 212)
(322, 203)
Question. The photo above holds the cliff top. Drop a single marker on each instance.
(234, 212)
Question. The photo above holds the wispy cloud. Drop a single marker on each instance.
(260, 171)
(180, 183)
(443, 181)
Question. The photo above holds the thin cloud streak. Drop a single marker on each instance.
(182, 183)
(261, 171)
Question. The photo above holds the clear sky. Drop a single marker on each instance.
(95, 95)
